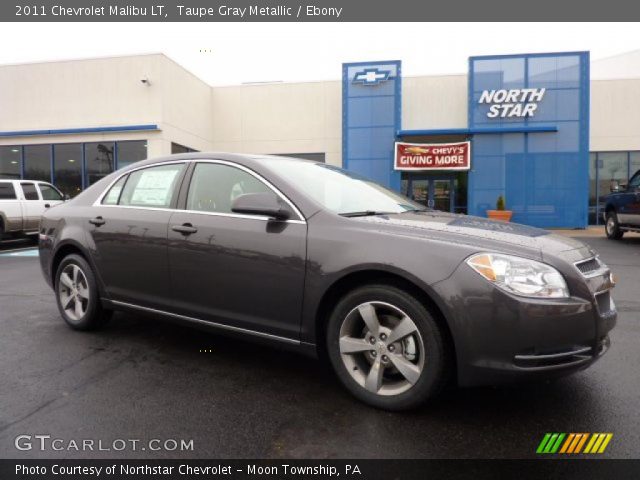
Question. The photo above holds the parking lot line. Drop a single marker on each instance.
(20, 252)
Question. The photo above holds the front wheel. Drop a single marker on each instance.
(612, 227)
(386, 347)
(77, 295)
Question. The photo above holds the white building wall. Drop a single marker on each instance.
(434, 102)
(615, 115)
(79, 93)
(186, 116)
(261, 118)
(107, 92)
(279, 118)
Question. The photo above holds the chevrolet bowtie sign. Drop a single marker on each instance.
(518, 102)
(371, 76)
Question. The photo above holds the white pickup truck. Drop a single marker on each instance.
(22, 202)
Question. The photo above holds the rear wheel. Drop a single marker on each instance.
(612, 227)
(77, 295)
(386, 347)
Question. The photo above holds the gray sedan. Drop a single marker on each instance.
(401, 300)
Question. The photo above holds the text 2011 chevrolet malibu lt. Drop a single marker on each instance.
(399, 298)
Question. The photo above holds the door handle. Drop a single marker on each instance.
(184, 229)
(97, 221)
(47, 205)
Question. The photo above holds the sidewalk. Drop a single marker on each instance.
(592, 231)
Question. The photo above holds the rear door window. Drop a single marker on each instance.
(7, 191)
(152, 187)
(30, 191)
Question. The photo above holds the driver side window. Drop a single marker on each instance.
(634, 184)
(215, 186)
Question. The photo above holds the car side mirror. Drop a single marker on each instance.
(267, 204)
(614, 186)
(66, 197)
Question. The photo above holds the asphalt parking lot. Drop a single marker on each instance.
(140, 378)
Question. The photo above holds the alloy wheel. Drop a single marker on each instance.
(381, 348)
(611, 225)
(73, 292)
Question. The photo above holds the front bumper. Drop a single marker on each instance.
(499, 337)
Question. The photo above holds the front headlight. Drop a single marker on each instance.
(520, 276)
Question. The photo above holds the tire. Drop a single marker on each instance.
(75, 284)
(612, 227)
(407, 369)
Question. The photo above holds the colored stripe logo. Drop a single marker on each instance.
(574, 443)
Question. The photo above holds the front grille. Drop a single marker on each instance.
(588, 266)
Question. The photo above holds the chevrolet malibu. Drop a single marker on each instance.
(400, 299)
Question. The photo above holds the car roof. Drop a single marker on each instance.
(231, 157)
(5, 180)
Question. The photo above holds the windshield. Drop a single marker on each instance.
(340, 191)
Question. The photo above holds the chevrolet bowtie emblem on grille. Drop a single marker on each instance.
(371, 76)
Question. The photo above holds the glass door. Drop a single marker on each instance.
(432, 192)
(441, 194)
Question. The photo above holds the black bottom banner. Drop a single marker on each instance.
(319, 469)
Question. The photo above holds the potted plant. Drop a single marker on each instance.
(500, 213)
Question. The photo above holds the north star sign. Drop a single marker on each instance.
(518, 102)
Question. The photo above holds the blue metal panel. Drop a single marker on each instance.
(542, 172)
(478, 130)
(71, 131)
(22, 161)
(83, 168)
(52, 162)
(371, 113)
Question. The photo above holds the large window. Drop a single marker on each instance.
(131, 151)
(608, 172)
(75, 165)
(68, 168)
(37, 162)
(10, 162)
(177, 148)
(316, 157)
(99, 160)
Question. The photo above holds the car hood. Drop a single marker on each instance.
(483, 233)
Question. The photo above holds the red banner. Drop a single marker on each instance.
(432, 156)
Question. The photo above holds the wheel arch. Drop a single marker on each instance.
(69, 247)
(371, 276)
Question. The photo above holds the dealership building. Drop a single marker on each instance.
(550, 132)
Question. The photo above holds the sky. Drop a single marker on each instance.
(234, 53)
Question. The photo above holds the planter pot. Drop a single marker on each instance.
(500, 215)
